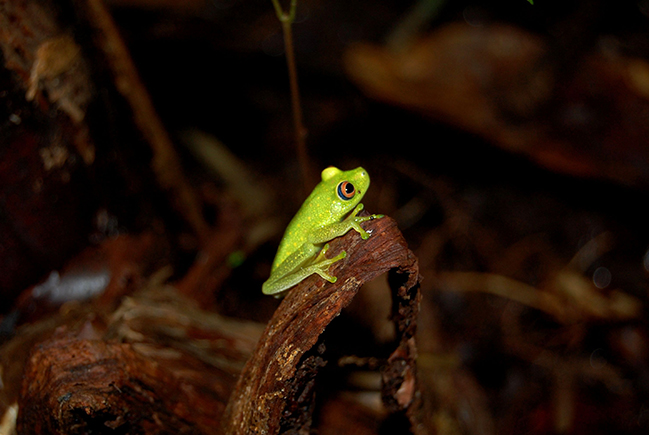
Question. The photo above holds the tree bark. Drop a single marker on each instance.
(274, 391)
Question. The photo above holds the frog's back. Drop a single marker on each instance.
(310, 216)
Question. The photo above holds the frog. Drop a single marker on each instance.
(330, 211)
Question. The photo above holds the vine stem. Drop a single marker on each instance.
(287, 19)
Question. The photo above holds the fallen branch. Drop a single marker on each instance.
(274, 390)
(158, 364)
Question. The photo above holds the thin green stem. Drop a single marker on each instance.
(284, 16)
(287, 19)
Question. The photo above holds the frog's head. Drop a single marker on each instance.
(345, 188)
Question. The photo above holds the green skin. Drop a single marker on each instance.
(320, 219)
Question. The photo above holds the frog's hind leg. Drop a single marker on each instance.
(320, 264)
(290, 277)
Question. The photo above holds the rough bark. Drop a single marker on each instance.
(273, 394)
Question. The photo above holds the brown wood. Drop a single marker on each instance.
(76, 386)
(135, 376)
(273, 392)
(158, 364)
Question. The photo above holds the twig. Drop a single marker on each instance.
(287, 19)
(165, 162)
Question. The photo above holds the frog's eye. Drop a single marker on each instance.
(346, 190)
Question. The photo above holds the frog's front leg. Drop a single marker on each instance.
(354, 221)
(337, 229)
(297, 267)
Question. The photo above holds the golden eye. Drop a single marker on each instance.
(346, 190)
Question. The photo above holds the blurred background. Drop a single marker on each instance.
(510, 141)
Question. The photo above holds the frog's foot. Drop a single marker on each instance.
(321, 255)
(321, 267)
(356, 210)
(357, 220)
